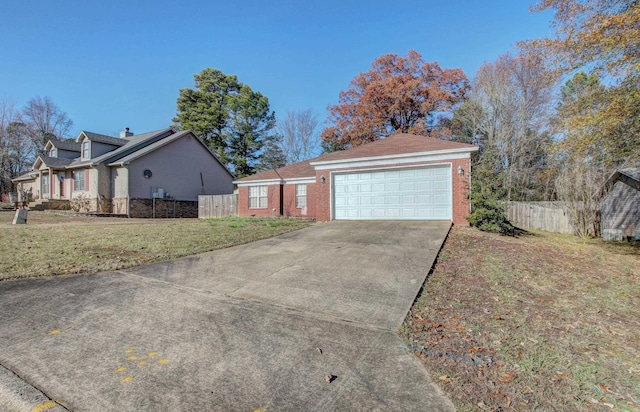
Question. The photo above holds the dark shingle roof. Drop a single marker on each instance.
(66, 144)
(151, 147)
(632, 172)
(25, 177)
(55, 161)
(103, 138)
(132, 143)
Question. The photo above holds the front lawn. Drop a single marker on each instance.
(539, 322)
(52, 245)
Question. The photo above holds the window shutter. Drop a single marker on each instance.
(86, 179)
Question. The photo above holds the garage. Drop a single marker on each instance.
(412, 193)
(400, 177)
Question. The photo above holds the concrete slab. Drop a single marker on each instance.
(221, 331)
(367, 272)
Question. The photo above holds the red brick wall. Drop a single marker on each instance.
(461, 207)
(289, 206)
(319, 195)
(273, 202)
(460, 190)
(323, 196)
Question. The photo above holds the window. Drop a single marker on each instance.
(53, 152)
(257, 197)
(78, 180)
(301, 196)
(45, 184)
(85, 149)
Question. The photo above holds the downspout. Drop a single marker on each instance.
(281, 194)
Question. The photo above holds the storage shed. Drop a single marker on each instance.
(620, 207)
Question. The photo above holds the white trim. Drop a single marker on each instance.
(393, 160)
(259, 197)
(297, 196)
(299, 181)
(397, 156)
(258, 182)
(341, 172)
(289, 181)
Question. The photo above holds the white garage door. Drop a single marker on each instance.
(417, 193)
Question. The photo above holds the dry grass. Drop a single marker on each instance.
(52, 245)
(539, 322)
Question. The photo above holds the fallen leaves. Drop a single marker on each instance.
(445, 378)
(545, 343)
(508, 377)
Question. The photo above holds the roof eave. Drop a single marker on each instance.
(395, 156)
(260, 181)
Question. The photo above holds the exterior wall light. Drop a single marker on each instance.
(460, 170)
(323, 179)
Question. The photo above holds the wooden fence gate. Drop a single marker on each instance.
(217, 206)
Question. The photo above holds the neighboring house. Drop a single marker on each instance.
(155, 174)
(402, 177)
(620, 206)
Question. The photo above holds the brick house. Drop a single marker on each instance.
(402, 177)
(155, 174)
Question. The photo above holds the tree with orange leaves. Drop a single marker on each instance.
(398, 95)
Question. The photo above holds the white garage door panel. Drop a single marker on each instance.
(412, 193)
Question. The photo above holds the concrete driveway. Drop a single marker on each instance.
(254, 327)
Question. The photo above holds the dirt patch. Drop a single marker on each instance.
(538, 322)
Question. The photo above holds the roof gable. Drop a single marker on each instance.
(53, 162)
(101, 138)
(63, 144)
(132, 144)
(163, 142)
(398, 145)
(629, 176)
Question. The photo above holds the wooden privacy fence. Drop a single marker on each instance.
(549, 216)
(217, 206)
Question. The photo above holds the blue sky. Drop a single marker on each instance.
(111, 64)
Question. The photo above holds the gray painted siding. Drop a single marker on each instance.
(119, 175)
(67, 154)
(621, 209)
(176, 167)
(98, 149)
(103, 186)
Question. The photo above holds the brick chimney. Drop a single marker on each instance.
(125, 133)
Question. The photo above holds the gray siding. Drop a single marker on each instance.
(67, 154)
(621, 210)
(98, 149)
(176, 168)
(119, 176)
(104, 181)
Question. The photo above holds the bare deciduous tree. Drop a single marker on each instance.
(578, 189)
(300, 140)
(508, 109)
(17, 150)
(46, 120)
